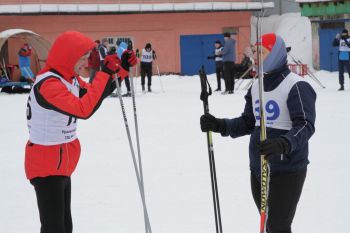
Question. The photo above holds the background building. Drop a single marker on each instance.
(327, 19)
(281, 7)
(182, 32)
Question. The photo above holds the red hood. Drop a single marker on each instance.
(65, 52)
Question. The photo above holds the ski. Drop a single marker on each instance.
(265, 170)
(308, 71)
(240, 79)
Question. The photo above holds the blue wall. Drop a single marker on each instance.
(328, 53)
(194, 52)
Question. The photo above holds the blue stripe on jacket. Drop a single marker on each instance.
(301, 105)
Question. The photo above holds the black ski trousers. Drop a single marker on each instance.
(146, 69)
(219, 73)
(342, 65)
(284, 193)
(229, 75)
(127, 83)
(53, 195)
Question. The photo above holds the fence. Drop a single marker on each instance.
(299, 69)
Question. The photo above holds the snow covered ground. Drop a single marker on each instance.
(105, 197)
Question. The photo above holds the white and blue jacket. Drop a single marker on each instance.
(344, 48)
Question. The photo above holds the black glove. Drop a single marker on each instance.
(275, 146)
(128, 59)
(211, 57)
(211, 123)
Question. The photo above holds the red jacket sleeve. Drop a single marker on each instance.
(53, 94)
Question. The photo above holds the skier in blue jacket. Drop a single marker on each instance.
(290, 117)
(343, 41)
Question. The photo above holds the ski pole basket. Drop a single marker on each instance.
(299, 69)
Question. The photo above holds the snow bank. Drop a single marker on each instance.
(294, 29)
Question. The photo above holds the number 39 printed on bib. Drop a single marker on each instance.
(272, 111)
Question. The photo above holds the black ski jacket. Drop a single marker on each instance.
(301, 106)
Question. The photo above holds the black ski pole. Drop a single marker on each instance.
(204, 97)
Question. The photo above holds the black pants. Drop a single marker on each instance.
(53, 195)
(284, 193)
(127, 83)
(342, 65)
(219, 73)
(146, 69)
(92, 73)
(229, 74)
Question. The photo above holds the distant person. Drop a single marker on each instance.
(228, 58)
(343, 41)
(94, 61)
(147, 57)
(103, 51)
(24, 62)
(58, 98)
(246, 63)
(218, 63)
(3, 75)
(126, 78)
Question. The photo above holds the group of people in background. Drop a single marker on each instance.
(225, 66)
(101, 51)
(224, 56)
(227, 69)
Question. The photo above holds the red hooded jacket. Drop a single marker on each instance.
(69, 47)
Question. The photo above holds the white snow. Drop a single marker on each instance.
(294, 29)
(105, 197)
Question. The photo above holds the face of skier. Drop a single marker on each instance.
(344, 34)
(217, 45)
(81, 63)
(264, 53)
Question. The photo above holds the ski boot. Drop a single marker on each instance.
(149, 89)
(113, 95)
(341, 88)
(128, 94)
(143, 89)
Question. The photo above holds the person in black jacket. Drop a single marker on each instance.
(245, 64)
(219, 65)
(343, 41)
(290, 119)
(103, 51)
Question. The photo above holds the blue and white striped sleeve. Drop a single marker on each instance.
(301, 104)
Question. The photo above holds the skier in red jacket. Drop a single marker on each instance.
(58, 98)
